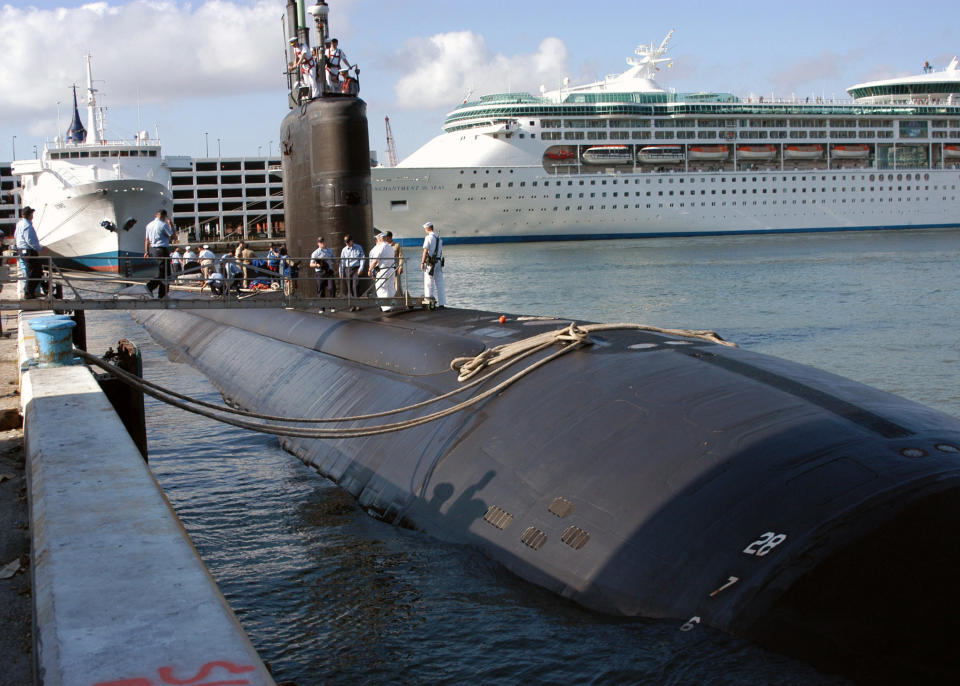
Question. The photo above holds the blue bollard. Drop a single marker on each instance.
(54, 336)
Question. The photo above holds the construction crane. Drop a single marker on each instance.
(391, 146)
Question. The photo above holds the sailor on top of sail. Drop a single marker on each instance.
(336, 61)
(303, 58)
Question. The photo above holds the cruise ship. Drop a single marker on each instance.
(624, 157)
(94, 197)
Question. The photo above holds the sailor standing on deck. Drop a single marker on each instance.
(382, 268)
(431, 263)
(156, 244)
(336, 62)
(28, 245)
(398, 261)
(321, 260)
(207, 259)
(303, 59)
(351, 266)
(176, 262)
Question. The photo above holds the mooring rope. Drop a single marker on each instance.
(570, 338)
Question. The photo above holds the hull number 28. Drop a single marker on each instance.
(765, 544)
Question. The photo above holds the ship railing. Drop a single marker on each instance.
(61, 145)
(136, 283)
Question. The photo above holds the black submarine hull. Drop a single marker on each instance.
(645, 475)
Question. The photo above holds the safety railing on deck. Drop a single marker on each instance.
(225, 282)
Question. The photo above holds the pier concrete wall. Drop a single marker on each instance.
(121, 596)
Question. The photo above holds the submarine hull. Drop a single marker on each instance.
(645, 475)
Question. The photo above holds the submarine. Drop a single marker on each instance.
(642, 473)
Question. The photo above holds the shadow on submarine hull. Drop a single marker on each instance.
(645, 475)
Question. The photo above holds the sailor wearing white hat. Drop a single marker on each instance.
(207, 261)
(382, 268)
(336, 62)
(431, 263)
(303, 58)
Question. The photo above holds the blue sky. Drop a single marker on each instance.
(214, 66)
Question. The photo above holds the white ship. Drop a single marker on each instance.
(624, 157)
(94, 198)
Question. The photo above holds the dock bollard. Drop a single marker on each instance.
(54, 336)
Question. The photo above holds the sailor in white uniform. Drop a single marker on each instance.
(308, 66)
(431, 263)
(382, 268)
(336, 62)
(207, 259)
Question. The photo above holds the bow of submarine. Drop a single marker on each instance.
(645, 475)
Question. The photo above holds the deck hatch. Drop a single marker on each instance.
(575, 537)
(499, 517)
(561, 507)
(533, 538)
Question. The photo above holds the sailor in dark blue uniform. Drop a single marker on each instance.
(156, 244)
(28, 246)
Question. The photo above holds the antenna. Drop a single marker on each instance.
(391, 146)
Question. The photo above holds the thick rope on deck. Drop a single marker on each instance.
(503, 356)
(470, 366)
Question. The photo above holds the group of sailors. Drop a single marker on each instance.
(384, 266)
(335, 64)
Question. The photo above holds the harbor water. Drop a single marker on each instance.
(329, 595)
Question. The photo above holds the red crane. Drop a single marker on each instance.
(391, 146)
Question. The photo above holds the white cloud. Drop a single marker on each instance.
(444, 67)
(165, 49)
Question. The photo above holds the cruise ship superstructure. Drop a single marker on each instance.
(624, 157)
(93, 197)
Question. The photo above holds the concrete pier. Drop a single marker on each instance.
(16, 643)
(121, 597)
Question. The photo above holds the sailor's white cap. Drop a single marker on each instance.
(428, 225)
(292, 39)
(186, 247)
(206, 246)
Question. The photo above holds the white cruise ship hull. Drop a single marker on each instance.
(625, 205)
(72, 224)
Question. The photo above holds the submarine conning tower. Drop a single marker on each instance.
(325, 148)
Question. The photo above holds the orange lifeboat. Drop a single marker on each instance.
(562, 154)
(756, 152)
(802, 152)
(850, 152)
(708, 152)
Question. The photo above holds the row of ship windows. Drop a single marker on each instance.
(733, 123)
(763, 191)
(713, 123)
(714, 204)
(711, 135)
(713, 179)
(102, 153)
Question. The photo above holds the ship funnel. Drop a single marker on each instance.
(76, 133)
